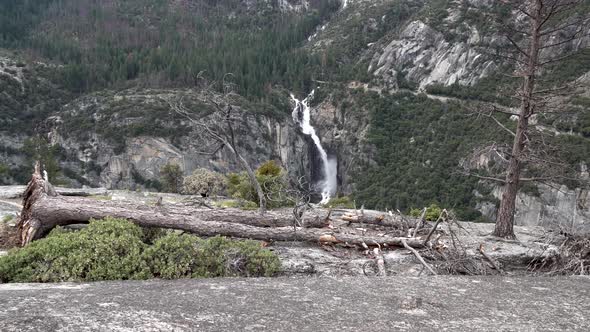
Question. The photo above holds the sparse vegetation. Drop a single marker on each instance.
(7, 218)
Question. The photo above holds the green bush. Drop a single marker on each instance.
(105, 250)
(171, 178)
(271, 178)
(415, 213)
(181, 256)
(203, 182)
(3, 169)
(269, 168)
(172, 256)
(432, 212)
(340, 202)
(114, 249)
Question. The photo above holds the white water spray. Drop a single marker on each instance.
(301, 115)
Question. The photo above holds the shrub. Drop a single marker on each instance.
(115, 249)
(203, 182)
(271, 178)
(415, 213)
(172, 256)
(219, 256)
(3, 169)
(179, 256)
(171, 178)
(340, 202)
(105, 250)
(269, 168)
(239, 187)
(432, 212)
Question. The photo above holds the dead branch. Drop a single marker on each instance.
(489, 259)
(380, 262)
(442, 217)
(419, 222)
(418, 256)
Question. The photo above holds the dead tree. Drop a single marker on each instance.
(535, 28)
(221, 129)
(43, 209)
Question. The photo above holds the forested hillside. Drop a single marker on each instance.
(160, 43)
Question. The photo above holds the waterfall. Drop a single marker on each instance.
(301, 116)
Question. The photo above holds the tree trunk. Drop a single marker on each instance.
(42, 212)
(505, 220)
(254, 182)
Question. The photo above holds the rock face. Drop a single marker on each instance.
(343, 134)
(12, 70)
(555, 207)
(552, 205)
(422, 55)
(129, 159)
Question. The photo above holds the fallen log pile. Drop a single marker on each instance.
(44, 209)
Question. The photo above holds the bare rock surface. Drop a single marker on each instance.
(302, 304)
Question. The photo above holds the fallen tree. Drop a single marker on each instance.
(44, 209)
(12, 192)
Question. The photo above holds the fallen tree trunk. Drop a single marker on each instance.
(12, 192)
(43, 211)
(369, 217)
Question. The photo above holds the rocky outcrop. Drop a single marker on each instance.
(556, 207)
(421, 54)
(551, 205)
(343, 134)
(129, 136)
(13, 70)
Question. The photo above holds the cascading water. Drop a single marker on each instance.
(301, 115)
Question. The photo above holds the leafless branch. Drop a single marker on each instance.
(490, 178)
(441, 218)
(489, 259)
(419, 257)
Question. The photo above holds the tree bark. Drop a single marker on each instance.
(505, 220)
(368, 217)
(42, 212)
(254, 182)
